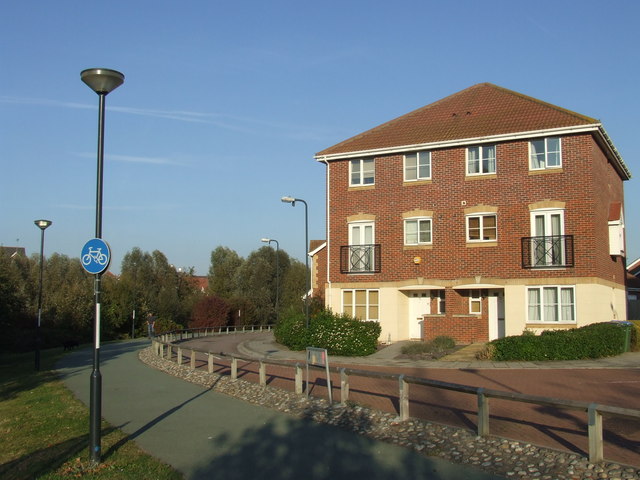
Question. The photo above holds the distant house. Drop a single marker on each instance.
(200, 282)
(633, 290)
(478, 216)
(14, 251)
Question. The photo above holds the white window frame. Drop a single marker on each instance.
(422, 159)
(481, 160)
(544, 163)
(482, 217)
(475, 298)
(418, 221)
(360, 171)
(439, 296)
(368, 304)
(362, 240)
(548, 214)
(545, 307)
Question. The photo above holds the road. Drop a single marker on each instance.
(545, 426)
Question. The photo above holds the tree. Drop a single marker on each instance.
(222, 272)
(210, 311)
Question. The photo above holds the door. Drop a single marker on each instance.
(361, 239)
(496, 315)
(419, 305)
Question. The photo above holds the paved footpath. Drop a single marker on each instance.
(205, 434)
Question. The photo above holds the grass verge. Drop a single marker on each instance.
(44, 430)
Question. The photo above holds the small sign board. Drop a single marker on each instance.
(95, 256)
(318, 357)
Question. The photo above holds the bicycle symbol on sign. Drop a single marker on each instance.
(95, 255)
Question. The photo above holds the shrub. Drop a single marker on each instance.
(338, 333)
(592, 341)
(437, 345)
(291, 331)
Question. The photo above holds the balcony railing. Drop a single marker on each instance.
(360, 258)
(547, 252)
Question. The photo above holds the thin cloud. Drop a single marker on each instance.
(247, 125)
(136, 159)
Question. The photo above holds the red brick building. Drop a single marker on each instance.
(481, 215)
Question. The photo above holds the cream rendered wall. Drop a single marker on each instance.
(393, 310)
(594, 303)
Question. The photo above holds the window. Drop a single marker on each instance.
(482, 228)
(545, 153)
(361, 247)
(361, 304)
(547, 231)
(475, 302)
(417, 231)
(481, 160)
(551, 304)
(417, 166)
(362, 172)
(439, 296)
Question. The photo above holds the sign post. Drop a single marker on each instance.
(318, 357)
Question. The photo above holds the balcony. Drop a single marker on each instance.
(360, 258)
(547, 252)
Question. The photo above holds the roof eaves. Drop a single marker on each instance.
(459, 142)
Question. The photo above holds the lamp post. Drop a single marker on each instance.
(293, 201)
(102, 81)
(269, 240)
(42, 225)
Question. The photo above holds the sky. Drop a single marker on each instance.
(225, 104)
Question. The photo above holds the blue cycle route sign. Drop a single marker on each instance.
(95, 256)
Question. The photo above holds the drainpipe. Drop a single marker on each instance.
(330, 294)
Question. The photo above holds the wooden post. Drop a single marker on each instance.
(169, 352)
(210, 363)
(193, 360)
(263, 374)
(403, 399)
(483, 413)
(298, 381)
(179, 356)
(596, 453)
(234, 368)
(344, 386)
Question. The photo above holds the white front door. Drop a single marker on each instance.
(496, 314)
(419, 305)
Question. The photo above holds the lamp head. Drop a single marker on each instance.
(290, 200)
(265, 240)
(102, 80)
(43, 224)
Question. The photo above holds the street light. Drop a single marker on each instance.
(293, 201)
(42, 225)
(102, 81)
(269, 240)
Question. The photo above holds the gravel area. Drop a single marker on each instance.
(492, 454)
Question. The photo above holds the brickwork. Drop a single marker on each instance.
(586, 185)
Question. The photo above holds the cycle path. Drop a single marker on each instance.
(205, 434)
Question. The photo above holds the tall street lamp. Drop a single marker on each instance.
(102, 81)
(293, 201)
(42, 225)
(269, 240)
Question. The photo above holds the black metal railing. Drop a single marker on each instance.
(360, 258)
(555, 251)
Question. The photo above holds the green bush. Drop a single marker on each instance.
(635, 336)
(437, 345)
(338, 333)
(592, 341)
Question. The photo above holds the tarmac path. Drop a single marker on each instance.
(545, 426)
(205, 434)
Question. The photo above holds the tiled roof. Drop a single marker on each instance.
(478, 111)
